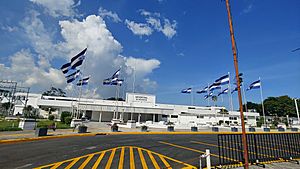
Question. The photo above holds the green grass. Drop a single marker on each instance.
(12, 125)
(59, 125)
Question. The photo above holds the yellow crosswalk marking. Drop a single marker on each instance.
(153, 160)
(144, 164)
(98, 160)
(56, 165)
(72, 163)
(121, 162)
(111, 157)
(165, 162)
(132, 166)
(86, 161)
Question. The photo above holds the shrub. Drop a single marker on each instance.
(51, 117)
(63, 116)
(68, 120)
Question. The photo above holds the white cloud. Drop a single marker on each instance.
(139, 28)
(38, 36)
(154, 21)
(23, 69)
(169, 28)
(58, 8)
(9, 28)
(248, 9)
(109, 14)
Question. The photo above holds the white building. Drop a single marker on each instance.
(137, 107)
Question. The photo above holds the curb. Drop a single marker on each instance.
(11, 141)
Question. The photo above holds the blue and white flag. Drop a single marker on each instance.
(188, 90)
(214, 86)
(71, 77)
(254, 85)
(209, 95)
(203, 90)
(116, 74)
(223, 80)
(117, 82)
(107, 81)
(225, 91)
(78, 59)
(83, 81)
(235, 89)
(65, 68)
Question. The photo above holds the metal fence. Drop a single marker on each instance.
(262, 148)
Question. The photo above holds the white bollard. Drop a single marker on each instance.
(208, 164)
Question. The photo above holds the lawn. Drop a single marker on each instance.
(59, 125)
(12, 125)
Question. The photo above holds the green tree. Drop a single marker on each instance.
(280, 106)
(54, 92)
(64, 115)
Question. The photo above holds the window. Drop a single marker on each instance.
(165, 116)
(174, 116)
(200, 117)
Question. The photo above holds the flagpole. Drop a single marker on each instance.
(192, 96)
(208, 94)
(235, 59)
(230, 95)
(262, 102)
(244, 94)
(297, 110)
(133, 83)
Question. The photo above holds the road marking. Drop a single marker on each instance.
(132, 166)
(165, 162)
(56, 165)
(111, 157)
(198, 151)
(86, 161)
(153, 160)
(82, 161)
(144, 164)
(72, 163)
(121, 162)
(98, 160)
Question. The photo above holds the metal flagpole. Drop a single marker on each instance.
(192, 96)
(230, 95)
(208, 94)
(262, 103)
(297, 110)
(234, 51)
(244, 94)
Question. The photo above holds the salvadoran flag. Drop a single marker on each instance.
(117, 82)
(188, 90)
(78, 59)
(83, 81)
(209, 95)
(225, 91)
(71, 77)
(254, 85)
(65, 68)
(214, 86)
(223, 80)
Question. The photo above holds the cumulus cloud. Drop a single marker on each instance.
(154, 21)
(109, 14)
(24, 69)
(139, 28)
(57, 8)
(247, 9)
(103, 56)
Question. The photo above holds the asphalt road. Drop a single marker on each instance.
(111, 151)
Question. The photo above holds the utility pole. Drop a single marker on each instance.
(234, 51)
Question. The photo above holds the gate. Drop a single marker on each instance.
(262, 148)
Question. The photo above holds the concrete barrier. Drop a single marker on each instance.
(194, 128)
(216, 129)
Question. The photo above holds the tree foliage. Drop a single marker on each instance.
(276, 106)
(55, 92)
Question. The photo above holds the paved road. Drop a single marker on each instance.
(110, 151)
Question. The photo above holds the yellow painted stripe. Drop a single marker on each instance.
(144, 164)
(56, 165)
(199, 151)
(87, 160)
(165, 162)
(132, 165)
(121, 162)
(153, 160)
(98, 160)
(72, 163)
(111, 157)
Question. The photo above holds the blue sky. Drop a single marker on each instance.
(190, 46)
